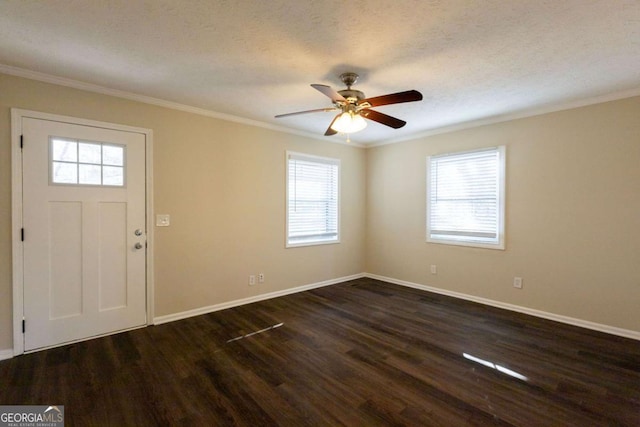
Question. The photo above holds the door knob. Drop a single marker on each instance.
(138, 245)
(138, 232)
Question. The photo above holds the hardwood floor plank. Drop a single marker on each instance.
(360, 353)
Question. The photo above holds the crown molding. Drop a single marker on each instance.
(90, 87)
(530, 112)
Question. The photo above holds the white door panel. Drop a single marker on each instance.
(83, 275)
(112, 255)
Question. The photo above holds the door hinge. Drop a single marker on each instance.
(22, 234)
(24, 325)
(21, 141)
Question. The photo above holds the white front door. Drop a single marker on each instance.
(84, 248)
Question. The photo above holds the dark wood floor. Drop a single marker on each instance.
(362, 353)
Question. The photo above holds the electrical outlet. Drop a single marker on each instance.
(261, 278)
(252, 280)
(517, 282)
(434, 269)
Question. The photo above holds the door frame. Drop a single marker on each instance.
(17, 115)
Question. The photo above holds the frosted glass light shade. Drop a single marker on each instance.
(349, 123)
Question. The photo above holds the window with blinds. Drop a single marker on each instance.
(312, 200)
(465, 198)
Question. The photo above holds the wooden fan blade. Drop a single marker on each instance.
(394, 98)
(328, 91)
(382, 118)
(317, 110)
(330, 131)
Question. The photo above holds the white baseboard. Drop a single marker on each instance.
(8, 353)
(235, 303)
(627, 333)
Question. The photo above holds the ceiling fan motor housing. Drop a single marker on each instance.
(355, 95)
(352, 96)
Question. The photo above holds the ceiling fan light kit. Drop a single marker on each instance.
(349, 123)
(354, 107)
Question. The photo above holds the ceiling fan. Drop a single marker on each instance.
(354, 107)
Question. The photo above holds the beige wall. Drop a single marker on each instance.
(573, 208)
(572, 215)
(223, 185)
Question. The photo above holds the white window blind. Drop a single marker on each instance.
(465, 198)
(312, 199)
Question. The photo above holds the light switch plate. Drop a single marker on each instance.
(163, 220)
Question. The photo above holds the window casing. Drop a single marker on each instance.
(312, 200)
(465, 198)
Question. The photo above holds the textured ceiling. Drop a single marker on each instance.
(472, 60)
